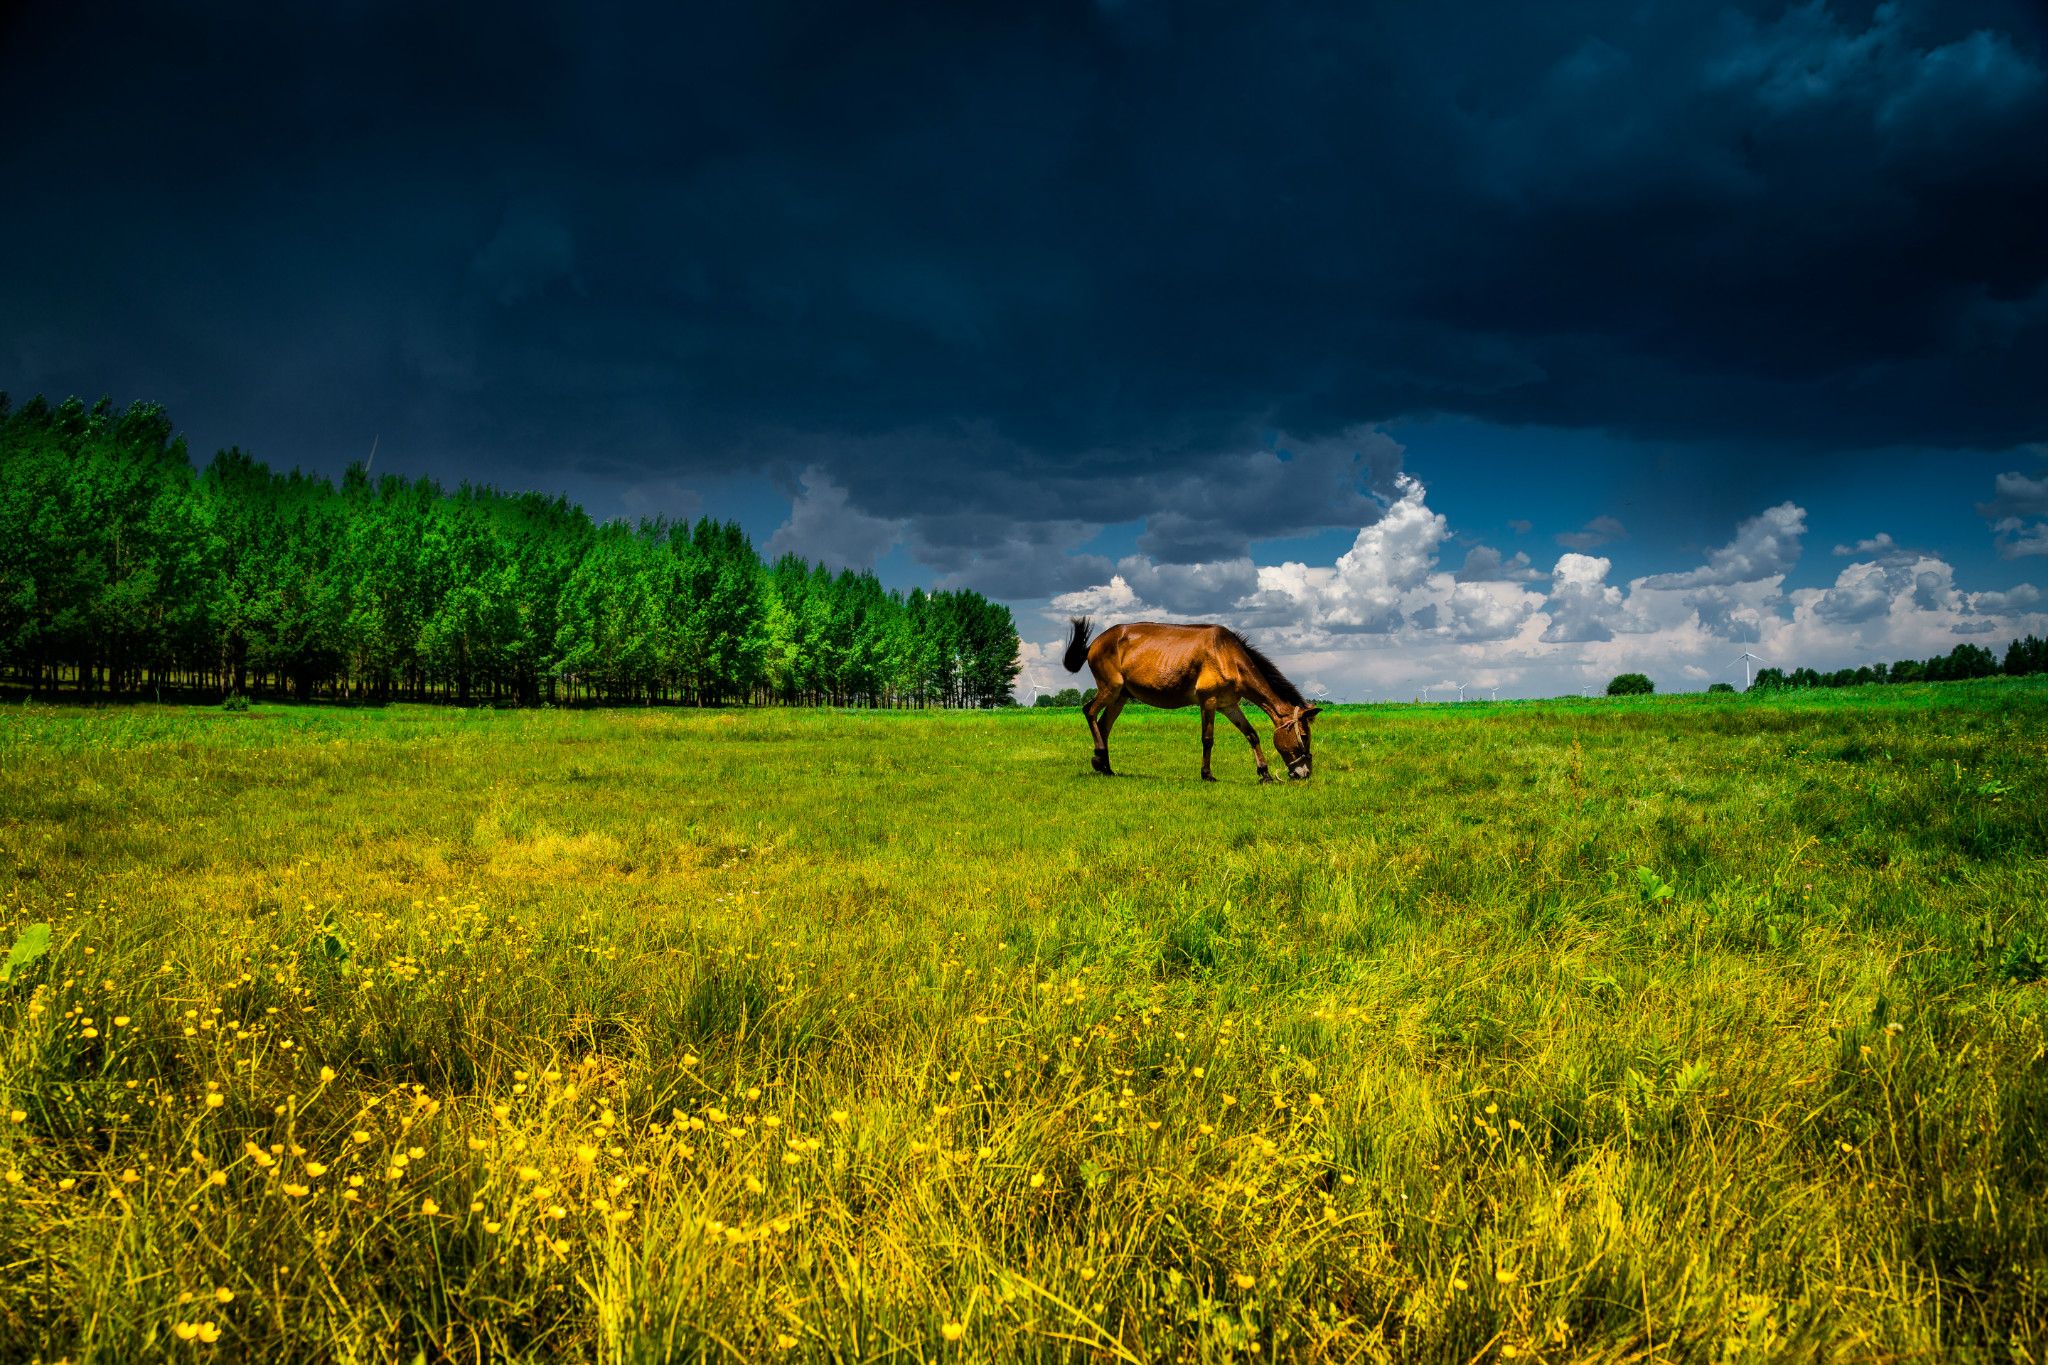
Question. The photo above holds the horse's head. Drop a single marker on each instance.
(1290, 737)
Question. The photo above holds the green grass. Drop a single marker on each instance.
(746, 1035)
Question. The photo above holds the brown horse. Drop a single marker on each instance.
(1173, 666)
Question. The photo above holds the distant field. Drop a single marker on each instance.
(1681, 1028)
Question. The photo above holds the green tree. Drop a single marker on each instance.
(121, 569)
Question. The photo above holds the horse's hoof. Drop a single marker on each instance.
(1208, 777)
(1265, 779)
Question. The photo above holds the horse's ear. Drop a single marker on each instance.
(1312, 712)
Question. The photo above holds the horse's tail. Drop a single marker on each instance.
(1077, 643)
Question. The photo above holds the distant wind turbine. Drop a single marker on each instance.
(1746, 659)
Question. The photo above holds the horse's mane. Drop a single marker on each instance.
(1268, 670)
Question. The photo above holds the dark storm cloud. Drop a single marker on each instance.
(1196, 590)
(824, 526)
(1005, 556)
(1215, 511)
(1595, 533)
(1002, 275)
(2018, 514)
(1484, 564)
(2017, 496)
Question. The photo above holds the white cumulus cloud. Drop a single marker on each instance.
(1583, 606)
(1387, 618)
(1765, 545)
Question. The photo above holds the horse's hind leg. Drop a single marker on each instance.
(1208, 738)
(1100, 711)
(1258, 755)
(1109, 715)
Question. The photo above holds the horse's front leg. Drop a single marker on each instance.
(1208, 738)
(1245, 728)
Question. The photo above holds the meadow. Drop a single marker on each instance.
(1691, 1028)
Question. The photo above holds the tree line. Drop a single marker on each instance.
(125, 570)
(2022, 658)
(1066, 696)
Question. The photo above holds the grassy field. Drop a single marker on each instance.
(1687, 1029)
